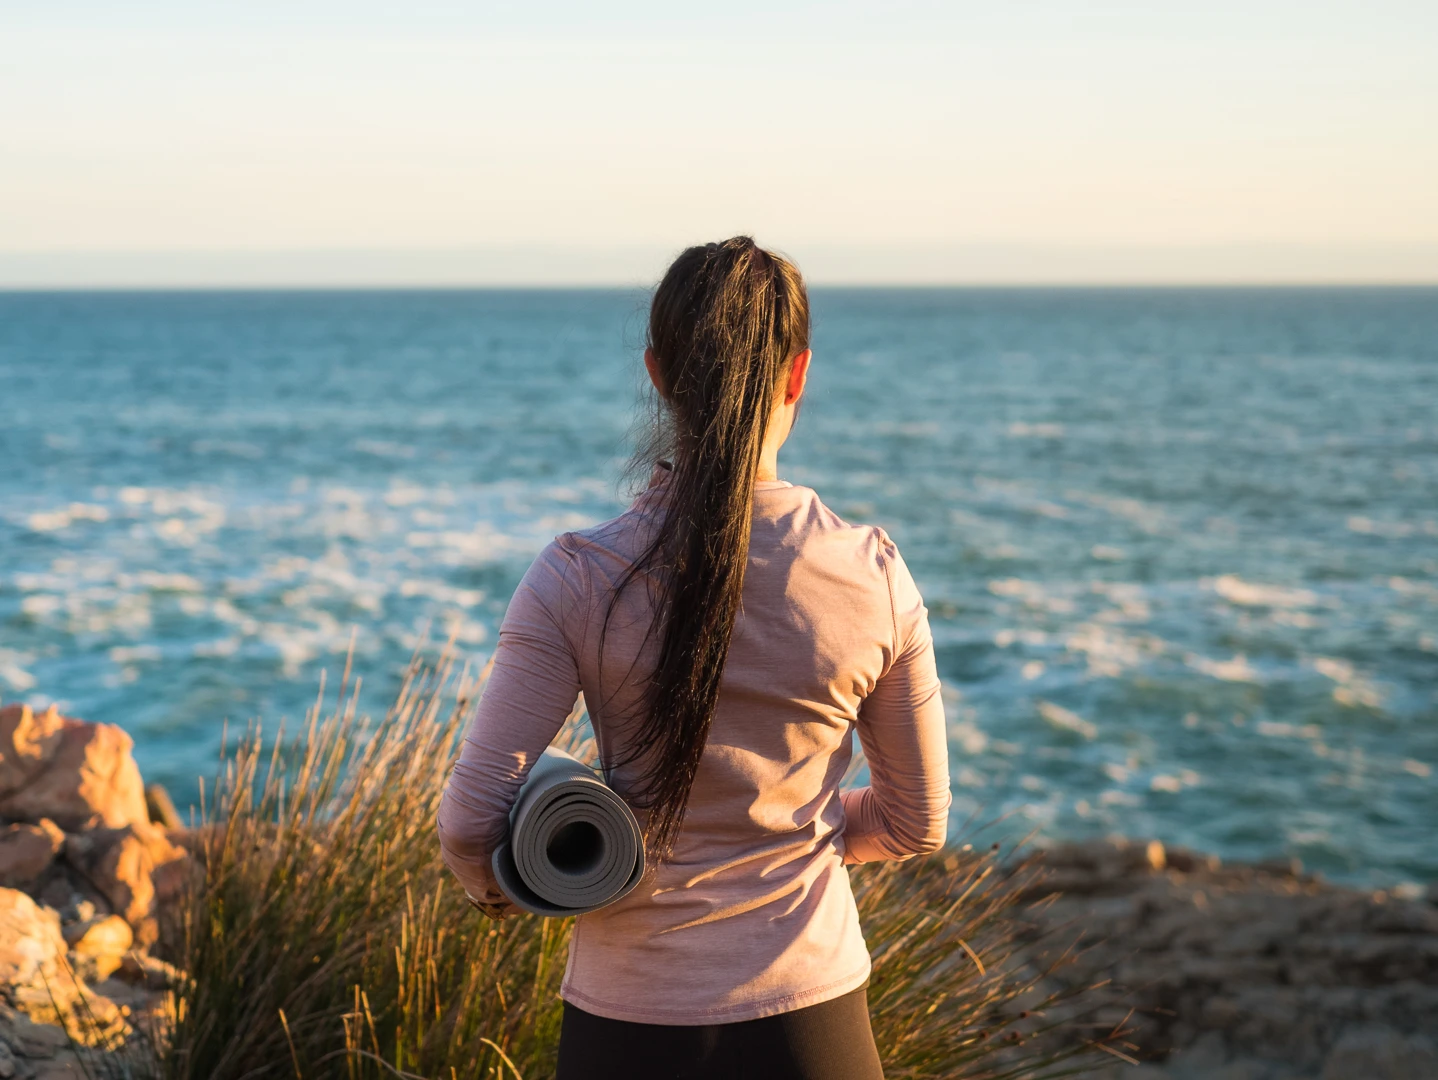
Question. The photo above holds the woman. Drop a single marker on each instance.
(728, 632)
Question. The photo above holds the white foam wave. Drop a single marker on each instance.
(1109, 653)
(56, 520)
(1238, 669)
(1353, 688)
(1391, 530)
(1148, 519)
(1033, 594)
(13, 672)
(1278, 729)
(1250, 594)
(1408, 587)
(1021, 430)
(129, 654)
(1067, 720)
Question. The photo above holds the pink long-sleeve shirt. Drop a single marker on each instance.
(753, 914)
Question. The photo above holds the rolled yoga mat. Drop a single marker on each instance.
(574, 845)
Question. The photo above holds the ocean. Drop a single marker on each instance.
(1179, 547)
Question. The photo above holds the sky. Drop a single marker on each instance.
(544, 142)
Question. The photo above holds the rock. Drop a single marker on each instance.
(26, 851)
(92, 969)
(30, 941)
(27, 743)
(1243, 1069)
(1380, 1053)
(66, 1068)
(40, 985)
(1265, 963)
(1098, 867)
(151, 1012)
(118, 863)
(1289, 867)
(1404, 917)
(149, 971)
(1189, 862)
(1156, 855)
(1207, 1053)
(58, 893)
(124, 864)
(29, 1039)
(97, 948)
(77, 911)
(83, 1017)
(1129, 1072)
(175, 870)
(68, 770)
(110, 934)
(67, 1063)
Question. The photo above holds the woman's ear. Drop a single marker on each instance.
(798, 376)
(651, 365)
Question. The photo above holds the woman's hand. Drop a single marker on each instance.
(497, 912)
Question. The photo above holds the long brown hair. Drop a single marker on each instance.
(724, 326)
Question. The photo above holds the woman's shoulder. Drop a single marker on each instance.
(866, 558)
(813, 514)
(817, 532)
(618, 540)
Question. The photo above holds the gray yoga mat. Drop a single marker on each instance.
(574, 845)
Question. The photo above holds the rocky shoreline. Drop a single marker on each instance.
(1250, 972)
(1246, 972)
(87, 865)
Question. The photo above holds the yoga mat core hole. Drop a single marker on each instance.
(577, 848)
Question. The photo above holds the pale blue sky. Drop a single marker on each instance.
(447, 143)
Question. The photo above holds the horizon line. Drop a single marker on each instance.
(897, 264)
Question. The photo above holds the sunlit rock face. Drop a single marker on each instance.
(84, 875)
(69, 771)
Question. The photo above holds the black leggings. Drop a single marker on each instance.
(828, 1041)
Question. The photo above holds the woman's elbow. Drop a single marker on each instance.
(921, 837)
(446, 842)
(932, 837)
(930, 827)
(458, 842)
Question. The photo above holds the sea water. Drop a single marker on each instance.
(1179, 547)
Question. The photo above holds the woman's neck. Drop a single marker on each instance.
(779, 425)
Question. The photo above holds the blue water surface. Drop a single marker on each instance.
(1180, 547)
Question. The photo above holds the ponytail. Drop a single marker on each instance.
(724, 325)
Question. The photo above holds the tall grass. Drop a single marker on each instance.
(327, 940)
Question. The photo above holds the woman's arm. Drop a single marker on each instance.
(905, 809)
(531, 689)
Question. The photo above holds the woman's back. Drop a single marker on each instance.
(831, 637)
(729, 635)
